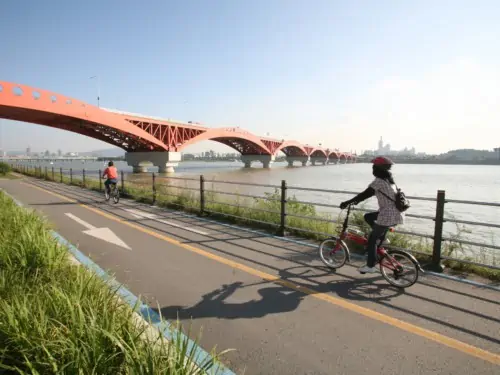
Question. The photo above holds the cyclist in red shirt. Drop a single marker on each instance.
(112, 175)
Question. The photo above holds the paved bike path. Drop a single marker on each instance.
(275, 328)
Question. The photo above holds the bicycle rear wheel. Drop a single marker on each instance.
(116, 195)
(331, 255)
(399, 269)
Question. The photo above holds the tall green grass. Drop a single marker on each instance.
(4, 168)
(58, 318)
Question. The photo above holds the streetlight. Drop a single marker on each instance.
(98, 88)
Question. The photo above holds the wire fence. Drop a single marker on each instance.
(274, 206)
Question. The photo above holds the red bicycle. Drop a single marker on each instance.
(398, 267)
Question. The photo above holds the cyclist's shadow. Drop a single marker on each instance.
(365, 290)
(359, 289)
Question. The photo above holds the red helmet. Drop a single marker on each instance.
(382, 161)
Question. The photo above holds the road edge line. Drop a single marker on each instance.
(148, 315)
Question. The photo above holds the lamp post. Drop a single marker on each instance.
(98, 88)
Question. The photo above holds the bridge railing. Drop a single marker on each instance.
(313, 217)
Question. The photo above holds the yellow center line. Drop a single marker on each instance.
(408, 327)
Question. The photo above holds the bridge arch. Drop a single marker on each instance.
(242, 141)
(318, 153)
(334, 155)
(28, 104)
(292, 148)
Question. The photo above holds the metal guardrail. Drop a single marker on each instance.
(152, 184)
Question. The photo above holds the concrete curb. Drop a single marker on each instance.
(148, 315)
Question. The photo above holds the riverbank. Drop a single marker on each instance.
(437, 161)
(56, 317)
(301, 220)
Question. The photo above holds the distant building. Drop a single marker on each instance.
(386, 150)
(28, 151)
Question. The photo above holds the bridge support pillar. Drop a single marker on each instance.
(266, 160)
(139, 169)
(292, 159)
(164, 160)
(320, 160)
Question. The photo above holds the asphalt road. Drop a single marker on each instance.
(271, 299)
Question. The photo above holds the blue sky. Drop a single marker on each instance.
(422, 74)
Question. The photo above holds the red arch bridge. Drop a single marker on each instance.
(149, 139)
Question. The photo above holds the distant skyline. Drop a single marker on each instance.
(422, 73)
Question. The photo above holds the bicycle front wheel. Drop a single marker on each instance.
(399, 269)
(106, 194)
(331, 255)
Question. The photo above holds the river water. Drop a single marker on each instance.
(477, 183)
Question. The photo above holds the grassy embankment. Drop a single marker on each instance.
(56, 317)
(243, 211)
(5, 171)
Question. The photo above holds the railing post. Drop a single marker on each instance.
(83, 177)
(438, 232)
(154, 187)
(71, 176)
(46, 175)
(123, 182)
(53, 175)
(281, 230)
(100, 180)
(60, 172)
(202, 195)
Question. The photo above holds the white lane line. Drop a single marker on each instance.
(144, 215)
(80, 221)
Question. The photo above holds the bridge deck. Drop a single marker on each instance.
(271, 299)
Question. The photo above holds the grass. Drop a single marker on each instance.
(59, 318)
(5, 169)
(264, 213)
(9, 176)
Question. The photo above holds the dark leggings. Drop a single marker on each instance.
(110, 181)
(378, 233)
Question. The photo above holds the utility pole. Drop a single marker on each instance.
(98, 88)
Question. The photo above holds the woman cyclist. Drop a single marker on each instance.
(384, 188)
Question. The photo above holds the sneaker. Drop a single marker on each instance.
(366, 269)
(385, 243)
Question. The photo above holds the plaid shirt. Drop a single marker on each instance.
(388, 215)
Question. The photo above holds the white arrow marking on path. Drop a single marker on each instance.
(143, 215)
(104, 234)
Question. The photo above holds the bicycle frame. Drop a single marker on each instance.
(382, 255)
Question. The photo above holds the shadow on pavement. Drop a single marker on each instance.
(275, 298)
